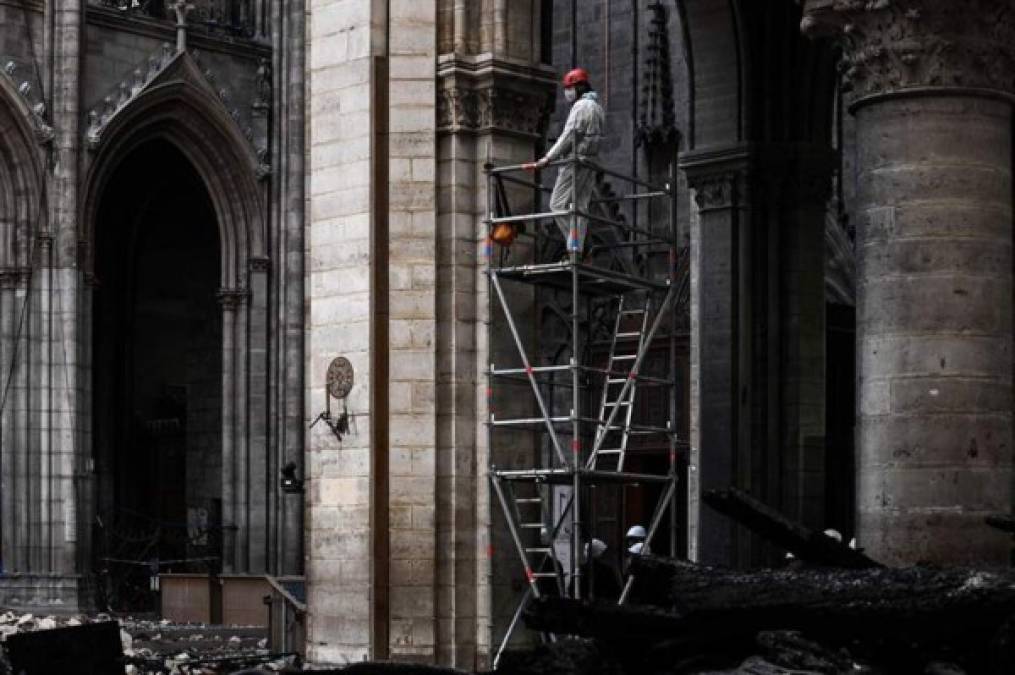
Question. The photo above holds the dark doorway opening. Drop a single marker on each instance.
(157, 376)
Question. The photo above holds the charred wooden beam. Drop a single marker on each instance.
(1002, 521)
(806, 544)
(891, 615)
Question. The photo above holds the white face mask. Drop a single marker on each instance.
(570, 94)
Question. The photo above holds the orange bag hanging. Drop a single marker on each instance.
(504, 234)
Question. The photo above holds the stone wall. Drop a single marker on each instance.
(413, 306)
(346, 39)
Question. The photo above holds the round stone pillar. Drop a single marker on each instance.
(930, 84)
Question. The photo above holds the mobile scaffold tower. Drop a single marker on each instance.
(549, 507)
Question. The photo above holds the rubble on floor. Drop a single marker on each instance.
(834, 611)
(160, 646)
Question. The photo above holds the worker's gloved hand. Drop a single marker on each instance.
(532, 166)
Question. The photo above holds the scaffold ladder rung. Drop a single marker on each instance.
(622, 330)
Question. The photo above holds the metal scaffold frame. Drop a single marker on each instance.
(657, 295)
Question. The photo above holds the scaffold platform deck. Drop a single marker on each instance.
(592, 280)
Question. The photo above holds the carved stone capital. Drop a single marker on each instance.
(260, 264)
(15, 277)
(890, 46)
(8, 278)
(718, 190)
(486, 95)
(232, 299)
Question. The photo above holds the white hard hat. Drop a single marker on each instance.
(635, 548)
(595, 548)
(834, 534)
(636, 532)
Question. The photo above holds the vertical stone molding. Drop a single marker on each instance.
(931, 87)
(235, 458)
(720, 378)
(488, 109)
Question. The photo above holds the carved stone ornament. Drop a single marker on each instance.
(163, 65)
(893, 45)
(260, 265)
(716, 190)
(494, 108)
(9, 277)
(232, 298)
(23, 79)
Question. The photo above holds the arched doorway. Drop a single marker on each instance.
(157, 331)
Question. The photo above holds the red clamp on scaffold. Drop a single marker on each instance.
(528, 370)
(576, 445)
(529, 575)
(633, 375)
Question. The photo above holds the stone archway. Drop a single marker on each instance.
(22, 240)
(181, 111)
(157, 373)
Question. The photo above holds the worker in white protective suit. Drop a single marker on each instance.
(583, 132)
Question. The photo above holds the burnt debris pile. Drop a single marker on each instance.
(833, 610)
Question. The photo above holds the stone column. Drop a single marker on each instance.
(931, 88)
(720, 393)
(229, 299)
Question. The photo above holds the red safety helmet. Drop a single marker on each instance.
(576, 76)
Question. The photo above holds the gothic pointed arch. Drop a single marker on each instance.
(177, 104)
(180, 106)
(21, 177)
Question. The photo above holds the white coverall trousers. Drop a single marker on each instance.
(567, 187)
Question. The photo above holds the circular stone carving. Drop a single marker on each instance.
(340, 377)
